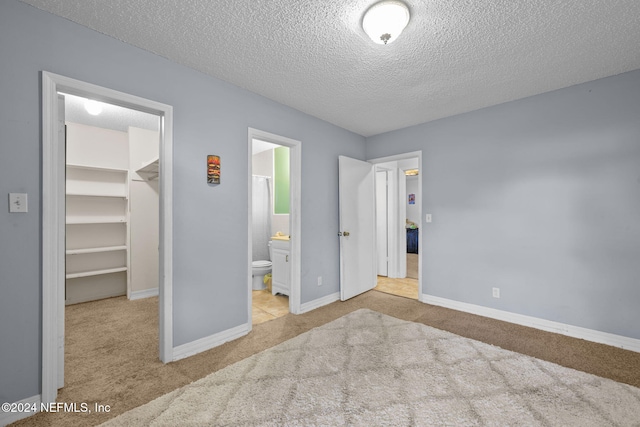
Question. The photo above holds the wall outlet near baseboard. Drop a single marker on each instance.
(319, 280)
(496, 292)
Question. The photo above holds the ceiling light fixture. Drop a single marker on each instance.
(93, 107)
(384, 21)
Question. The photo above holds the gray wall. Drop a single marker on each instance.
(539, 197)
(210, 117)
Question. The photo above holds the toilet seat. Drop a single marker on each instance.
(260, 264)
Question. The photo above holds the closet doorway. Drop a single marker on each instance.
(111, 184)
(273, 226)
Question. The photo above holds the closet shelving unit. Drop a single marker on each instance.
(149, 171)
(97, 201)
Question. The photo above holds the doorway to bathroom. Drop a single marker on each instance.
(274, 245)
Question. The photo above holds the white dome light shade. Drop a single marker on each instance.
(384, 21)
(93, 107)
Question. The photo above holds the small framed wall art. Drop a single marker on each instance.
(213, 169)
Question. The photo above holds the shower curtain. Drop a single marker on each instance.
(261, 214)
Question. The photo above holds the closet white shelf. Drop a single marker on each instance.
(96, 168)
(150, 171)
(95, 272)
(115, 196)
(96, 220)
(96, 250)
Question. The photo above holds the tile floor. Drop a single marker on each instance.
(267, 307)
(407, 288)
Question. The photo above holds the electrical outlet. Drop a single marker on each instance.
(319, 280)
(496, 292)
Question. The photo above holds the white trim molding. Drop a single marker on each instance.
(207, 343)
(34, 402)
(537, 323)
(145, 293)
(317, 303)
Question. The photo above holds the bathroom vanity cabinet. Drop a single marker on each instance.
(281, 267)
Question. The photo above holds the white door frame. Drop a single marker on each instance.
(295, 206)
(382, 222)
(53, 218)
(405, 156)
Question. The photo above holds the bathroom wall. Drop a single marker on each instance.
(281, 202)
(263, 164)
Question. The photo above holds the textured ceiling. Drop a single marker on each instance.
(453, 57)
(111, 117)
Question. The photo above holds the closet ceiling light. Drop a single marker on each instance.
(384, 21)
(93, 107)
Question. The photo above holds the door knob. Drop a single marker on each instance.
(345, 233)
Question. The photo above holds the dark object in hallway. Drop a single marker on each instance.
(412, 240)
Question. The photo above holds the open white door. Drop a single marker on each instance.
(357, 227)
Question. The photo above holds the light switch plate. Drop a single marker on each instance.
(427, 217)
(18, 202)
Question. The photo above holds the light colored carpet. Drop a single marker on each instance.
(367, 368)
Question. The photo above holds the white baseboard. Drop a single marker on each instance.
(206, 343)
(317, 303)
(534, 322)
(146, 293)
(12, 417)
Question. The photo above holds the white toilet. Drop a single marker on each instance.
(259, 269)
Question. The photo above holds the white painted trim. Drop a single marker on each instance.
(537, 323)
(146, 293)
(165, 286)
(421, 227)
(250, 230)
(295, 205)
(11, 417)
(295, 189)
(207, 343)
(317, 303)
(399, 240)
(53, 220)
